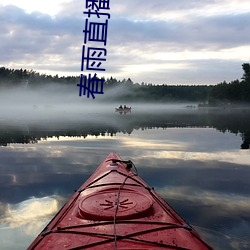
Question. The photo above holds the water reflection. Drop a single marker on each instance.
(20, 222)
(82, 124)
(195, 166)
(31, 210)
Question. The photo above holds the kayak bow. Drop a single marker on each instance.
(116, 209)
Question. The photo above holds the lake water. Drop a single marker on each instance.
(197, 160)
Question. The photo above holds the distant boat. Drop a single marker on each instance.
(125, 110)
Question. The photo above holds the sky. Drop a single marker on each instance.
(160, 42)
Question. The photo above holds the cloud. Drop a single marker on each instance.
(38, 40)
(189, 35)
(176, 10)
(199, 33)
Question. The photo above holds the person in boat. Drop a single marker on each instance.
(125, 106)
(120, 107)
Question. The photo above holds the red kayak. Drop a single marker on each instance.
(116, 209)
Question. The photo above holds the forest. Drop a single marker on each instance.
(224, 93)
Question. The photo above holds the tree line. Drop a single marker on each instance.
(236, 91)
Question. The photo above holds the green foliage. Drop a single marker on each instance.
(234, 92)
(246, 75)
(223, 93)
(30, 78)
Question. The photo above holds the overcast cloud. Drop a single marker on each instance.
(160, 41)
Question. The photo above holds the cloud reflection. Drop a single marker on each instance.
(222, 156)
(29, 212)
(22, 222)
(222, 213)
(198, 171)
(228, 203)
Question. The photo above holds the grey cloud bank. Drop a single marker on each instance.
(160, 42)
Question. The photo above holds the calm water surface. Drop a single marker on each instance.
(194, 159)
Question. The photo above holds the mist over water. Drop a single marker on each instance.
(51, 101)
(57, 109)
(62, 103)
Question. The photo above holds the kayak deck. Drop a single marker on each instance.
(116, 209)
